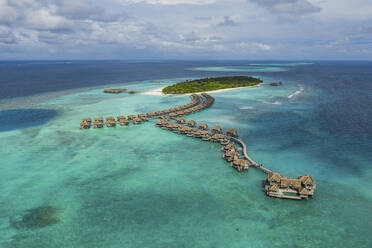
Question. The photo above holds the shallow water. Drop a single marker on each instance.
(143, 186)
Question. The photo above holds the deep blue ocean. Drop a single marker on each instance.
(144, 187)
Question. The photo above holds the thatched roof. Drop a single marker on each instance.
(217, 129)
(181, 120)
(191, 123)
(242, 163)
(111, 123)
(87, 119)
(110, 118)
(130, 117)
(230, 146)
(124, 121)
(84, 124)
(203, 126)
(232, 132)
(306, 180)
(290, 183)
(274, 177)
(98, 119)
(274, 188)
(231, 154)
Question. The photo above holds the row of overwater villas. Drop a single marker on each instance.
(215, 134)
(279, 186)
(118, 90)
(186, 109)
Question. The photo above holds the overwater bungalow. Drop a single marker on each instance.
(98, 123)
(88, 120)
(221, 138)
(203, 126)
(136, 120)
(158, 113)
(183, 129)
(161, 123)
(84, 125)
(150, 114)
(198, 134)
(172, 126)
(217, 129)
(172, 115)
(110, 118)
(232, 132)
(191, 123)
(132, 92)
(206, 136)
(231, 156)
(118, 90)
(240, 164)
(181, 120)
(229, 147)
(98, 119)
(131, 117)
(111, 123)
(279, 186)
(124, 122)
(121, 117)
(142, 117)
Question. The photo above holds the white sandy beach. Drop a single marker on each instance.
(159, 91)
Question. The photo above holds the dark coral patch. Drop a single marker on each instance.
(38, 218)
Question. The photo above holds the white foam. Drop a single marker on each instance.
(246, 107)
(273, 103)
(296, 93)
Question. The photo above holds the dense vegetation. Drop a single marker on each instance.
(209, 84)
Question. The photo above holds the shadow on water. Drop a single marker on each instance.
(37, 218)
(24, 118)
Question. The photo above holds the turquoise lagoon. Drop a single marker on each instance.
(141, 186)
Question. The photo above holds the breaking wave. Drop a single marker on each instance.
(296, 93)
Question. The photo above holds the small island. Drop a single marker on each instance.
(211, 84)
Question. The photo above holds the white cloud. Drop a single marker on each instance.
(252, 46)
(8, 14)
(298, 7)
(44, 19)
(177, 28)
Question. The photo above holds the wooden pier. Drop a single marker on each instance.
(171, 119)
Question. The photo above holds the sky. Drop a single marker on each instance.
(186, 29)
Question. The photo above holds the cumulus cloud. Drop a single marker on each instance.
(299, 7)
(185, 28)
(8, 14)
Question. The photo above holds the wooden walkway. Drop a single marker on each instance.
(254, 163)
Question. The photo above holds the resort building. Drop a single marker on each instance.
(118, 90)
(240, 164)
(279, 186)
(203, 126)
(217, 129)
(232, 132)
